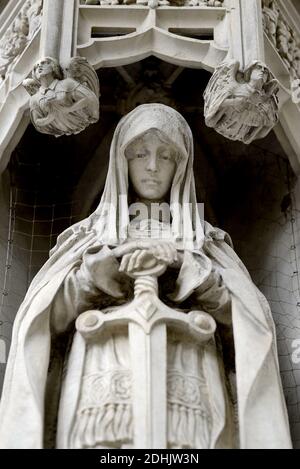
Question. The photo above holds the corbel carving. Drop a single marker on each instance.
(63, 101)
(241, 105)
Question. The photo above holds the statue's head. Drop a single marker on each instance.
(258, 74)
(47, 66)
(153, 145)
(152, 159)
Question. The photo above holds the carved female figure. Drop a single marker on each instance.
(224, 393)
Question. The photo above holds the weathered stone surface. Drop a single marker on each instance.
(63, 101)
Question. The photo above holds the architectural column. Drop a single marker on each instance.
(246, 31)
(59, 25)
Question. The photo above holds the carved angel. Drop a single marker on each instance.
(63, 102)
(241, 105)
(34, 10)
(13, 42)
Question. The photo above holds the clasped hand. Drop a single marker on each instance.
(143, 254)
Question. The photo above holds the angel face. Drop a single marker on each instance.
(151, 165)
(259, 75)
(45, 66)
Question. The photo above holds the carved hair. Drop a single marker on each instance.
(57, 71)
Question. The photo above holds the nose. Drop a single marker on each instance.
(152, 163)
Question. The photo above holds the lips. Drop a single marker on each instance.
(150, 181)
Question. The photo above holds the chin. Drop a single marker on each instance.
(151, 195)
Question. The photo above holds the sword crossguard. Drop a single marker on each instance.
(197, 324)
(147, 311)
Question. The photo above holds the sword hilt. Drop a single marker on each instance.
(146, 280)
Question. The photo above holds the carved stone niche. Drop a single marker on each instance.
(242, 105)
(64, 101)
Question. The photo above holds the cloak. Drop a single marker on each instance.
(262, 415)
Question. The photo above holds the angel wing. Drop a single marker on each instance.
(80, 70)
(222, 81)
(224, 74)
(31, 86)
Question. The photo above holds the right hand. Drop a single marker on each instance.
(145, 254)
(131, 246)
(144, 259)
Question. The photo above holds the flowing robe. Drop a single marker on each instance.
(99, 373)
(261, 406)
(64, 287)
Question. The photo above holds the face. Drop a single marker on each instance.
(259, 73)
(44, 67)
(151, 165)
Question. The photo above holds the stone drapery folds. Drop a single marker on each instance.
(191, 388)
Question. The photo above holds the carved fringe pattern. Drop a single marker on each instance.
(189, 416)
(105, 413)
(106, 416)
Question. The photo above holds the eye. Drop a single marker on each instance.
(165, 156)
(140, 155)
(165, 153)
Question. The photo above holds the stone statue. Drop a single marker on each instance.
(18, 35)
(242, 105)
(12, 45)
(34, 13)
(270, 19)
(63, 102)
(144, 328)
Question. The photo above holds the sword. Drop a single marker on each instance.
(148, 318)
